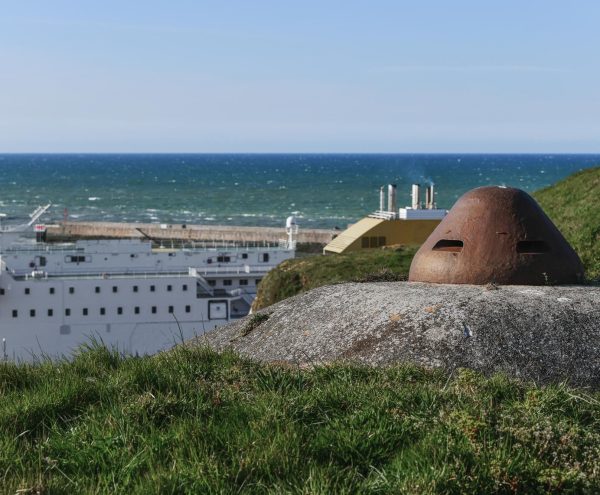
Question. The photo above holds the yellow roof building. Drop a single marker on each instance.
(410, 225)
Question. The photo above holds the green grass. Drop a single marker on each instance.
(302, 274)
(194, 421)
(254, 321)
(574, 206)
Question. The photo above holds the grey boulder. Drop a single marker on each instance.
(540, 333)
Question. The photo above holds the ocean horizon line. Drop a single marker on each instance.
(302, 153)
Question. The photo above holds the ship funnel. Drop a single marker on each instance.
(429, 203)
(416, 203)
(382, 198)
(392, 198)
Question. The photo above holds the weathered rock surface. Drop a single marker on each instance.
(545, 334)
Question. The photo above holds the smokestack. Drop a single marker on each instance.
(382, 198)
(392, 198)
(431, 197)
(428, 200)
(416, 204)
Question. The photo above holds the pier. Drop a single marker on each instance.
(68, 231)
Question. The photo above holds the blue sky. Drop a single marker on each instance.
(306, 76)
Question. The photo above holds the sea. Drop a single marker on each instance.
(321, 190)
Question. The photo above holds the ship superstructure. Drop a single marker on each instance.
(124, 293)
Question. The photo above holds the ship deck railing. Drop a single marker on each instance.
(189, 247)
(384, 215)
(120, 274)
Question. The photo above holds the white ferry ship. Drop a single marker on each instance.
(123, 293)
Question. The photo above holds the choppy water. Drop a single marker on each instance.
(322, 190)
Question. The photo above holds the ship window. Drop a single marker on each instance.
(364, 242)
(136, 310)
(184, 287)
(258, 281)
(97, 289)
(170, 309)
(67, 312)
(169, 288)
(50, 312)
(243, 281)
(15, 313)
(264, 257)
(102, 311)
(1, 292)
(209, 261)
(135, 288)
(75, 259)
(226, 282)
(223, 259)
(172, 254)
(152, 288)
(51, 290)
(188, 308)
(115, 288)
(244, 256)
(212, 283)
(32, 312)
(42, 261)
(153, 309)
(27, 291)
(71, 290)
(120, 310)
(84, 311)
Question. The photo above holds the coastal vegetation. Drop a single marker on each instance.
(195, 421)
(573, 204)
(302, 274)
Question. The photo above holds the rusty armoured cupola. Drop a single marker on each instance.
(496, 235)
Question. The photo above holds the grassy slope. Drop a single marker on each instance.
(192, 421)
(574, 206)
(299, 275)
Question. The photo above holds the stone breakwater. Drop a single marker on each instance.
(67, 231)
(540, 333)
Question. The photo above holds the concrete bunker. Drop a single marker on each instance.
(496, 235)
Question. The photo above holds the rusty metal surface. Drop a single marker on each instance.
(496, 235)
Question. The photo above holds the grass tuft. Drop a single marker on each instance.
(254, 321)
(195, 421)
